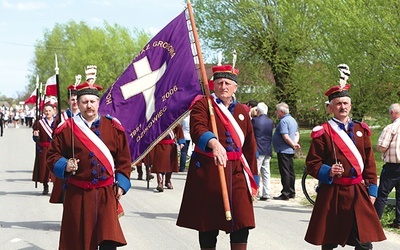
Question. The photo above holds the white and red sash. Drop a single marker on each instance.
(92, 143)
(46, 127)
(237, 134)
(64, 116)
(346, 145)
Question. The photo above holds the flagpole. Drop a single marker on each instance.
(58, 91)
(37, 139)
(224, 189)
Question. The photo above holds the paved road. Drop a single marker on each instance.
(29, 221)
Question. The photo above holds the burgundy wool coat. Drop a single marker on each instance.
(202, 207)
(90, 215)
(340, 207)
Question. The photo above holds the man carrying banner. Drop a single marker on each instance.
(202, 207)
(341, 157)
(91, 152)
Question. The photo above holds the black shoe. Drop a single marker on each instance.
(281, 197)
(264, 198)
(149, 177)
(160, 188)
(140, 177)
(292, 196)
(45, 190)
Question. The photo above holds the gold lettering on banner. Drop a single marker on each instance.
(165, 45)
(109, 96)
(150, 124)
(135, 131)
(169, 93)
(144, 49)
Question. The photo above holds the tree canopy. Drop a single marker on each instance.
(289, 50)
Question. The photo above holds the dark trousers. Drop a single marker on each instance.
(209, 239)
(29, 121)
(182, 159)
(1, 128)
(389, 179)
(286, 170)
(352, 241)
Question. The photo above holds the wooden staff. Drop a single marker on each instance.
(224, 190)
(37, 139)
(58, 90)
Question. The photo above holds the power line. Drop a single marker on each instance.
(17, 44)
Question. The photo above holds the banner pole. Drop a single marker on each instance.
(224, 189)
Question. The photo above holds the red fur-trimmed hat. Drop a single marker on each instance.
(225, 71)
(88, 88)
(337, 91)
(72, 90)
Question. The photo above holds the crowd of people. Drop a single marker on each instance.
(86, 156)
(19, 115)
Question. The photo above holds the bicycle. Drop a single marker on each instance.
(310, 186)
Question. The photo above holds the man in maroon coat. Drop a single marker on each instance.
(235, 149)
(342, 159)
(91, 152)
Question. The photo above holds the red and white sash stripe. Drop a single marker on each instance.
(64, 116)
(46, 127)
(93, 143)
(346, 145)
(237, 134)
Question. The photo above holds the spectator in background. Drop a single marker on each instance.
(263, 127)
(1, 121)
(184, 151)
(285, 141)
(389, 146)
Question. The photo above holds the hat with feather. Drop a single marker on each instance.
(343, 88)
(89, 88)
(225, 71)
(72, 88)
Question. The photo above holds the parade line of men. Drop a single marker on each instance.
(86, 155)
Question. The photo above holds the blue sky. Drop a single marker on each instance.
(22, 23)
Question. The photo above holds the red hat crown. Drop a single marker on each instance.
(225, 71)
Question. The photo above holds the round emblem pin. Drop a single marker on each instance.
(241, 117)
(359, 133)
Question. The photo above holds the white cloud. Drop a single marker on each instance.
(3, 24)
(24, 6)
(96, 21)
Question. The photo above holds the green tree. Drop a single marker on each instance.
(77, 45)
(273, 36)
(301, 42)
(363, 34)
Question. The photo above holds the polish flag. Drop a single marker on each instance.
(51, 86)
(32, 98)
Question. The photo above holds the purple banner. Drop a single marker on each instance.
(156, 89)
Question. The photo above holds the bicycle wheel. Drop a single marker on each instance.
(310, 187)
